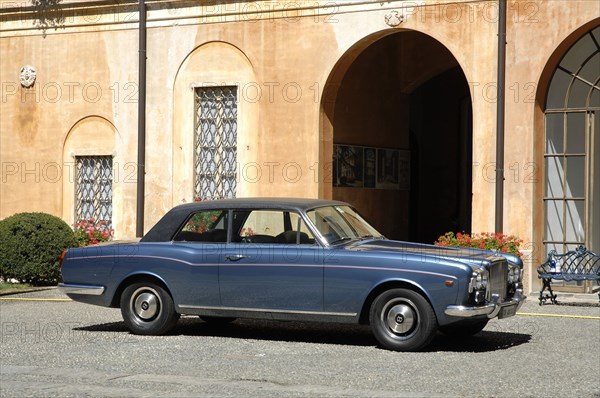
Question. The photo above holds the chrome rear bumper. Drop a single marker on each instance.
(492, 309)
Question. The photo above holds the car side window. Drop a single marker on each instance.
(306, 236)
(271, 226)
(205, 226)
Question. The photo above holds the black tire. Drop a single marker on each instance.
(402, 320)
(148, 309)
(217, 320)
(464, 329)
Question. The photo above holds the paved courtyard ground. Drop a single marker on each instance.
(53, 347)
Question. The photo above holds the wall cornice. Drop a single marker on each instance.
(67, 16)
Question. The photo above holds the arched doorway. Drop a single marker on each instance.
(397, 112)
(572, 149)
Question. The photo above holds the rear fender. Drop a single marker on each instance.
(135, 278)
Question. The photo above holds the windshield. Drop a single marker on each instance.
(339, 224)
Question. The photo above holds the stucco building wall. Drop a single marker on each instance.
(288, 59)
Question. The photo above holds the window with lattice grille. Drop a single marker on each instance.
(215, 142)
(93, 188)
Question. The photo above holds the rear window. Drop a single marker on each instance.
(204, 226)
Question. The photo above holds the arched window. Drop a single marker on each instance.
(572, 149)
(90, 179)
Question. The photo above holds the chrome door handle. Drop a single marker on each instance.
(235, 257)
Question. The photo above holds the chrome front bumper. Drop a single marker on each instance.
(88, 290)
(492, 309)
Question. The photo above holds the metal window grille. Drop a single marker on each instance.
(215, 142)
(93, 190)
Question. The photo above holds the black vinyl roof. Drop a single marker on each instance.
(263, 203)
(166, 227)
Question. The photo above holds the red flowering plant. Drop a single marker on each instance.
(90, 232)
(202, 221)
(489, 241)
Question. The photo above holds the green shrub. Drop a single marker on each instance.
(31, 245)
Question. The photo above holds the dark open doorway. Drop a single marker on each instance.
(441, 150)
(405, 100)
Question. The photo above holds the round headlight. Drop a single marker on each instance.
(515, 274)
(481, 280)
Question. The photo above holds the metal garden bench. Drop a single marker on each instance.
(578, 265)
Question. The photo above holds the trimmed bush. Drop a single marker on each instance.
(31, 245)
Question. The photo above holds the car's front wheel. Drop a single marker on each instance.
(402, 320)
(148, 309)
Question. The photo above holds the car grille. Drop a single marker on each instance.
(498, 279)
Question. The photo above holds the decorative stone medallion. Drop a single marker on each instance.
(394, 18)
(27, 76)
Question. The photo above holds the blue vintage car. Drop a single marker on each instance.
(293, 259)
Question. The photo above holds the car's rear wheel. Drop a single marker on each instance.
(402, 320)
(148, 309)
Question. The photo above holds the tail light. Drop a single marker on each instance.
(62, 257)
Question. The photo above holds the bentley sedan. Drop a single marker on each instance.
(293, 259)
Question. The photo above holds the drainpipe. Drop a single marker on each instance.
(141, 148)
(500, 117)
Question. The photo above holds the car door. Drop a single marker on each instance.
(200, 244)
(271, 263)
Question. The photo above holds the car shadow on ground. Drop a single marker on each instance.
(322, 333)
(481, 342)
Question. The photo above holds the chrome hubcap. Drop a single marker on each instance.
(401, 318)
(145, 303)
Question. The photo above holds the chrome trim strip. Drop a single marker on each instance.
(81, 289)
(245, 265)
(128, 256)
(413, 271)
(467, 312)
(196, 307)
(268, 265)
